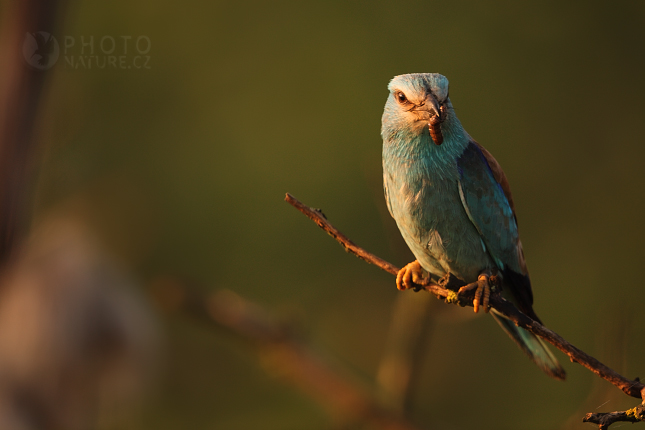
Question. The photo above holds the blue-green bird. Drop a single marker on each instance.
(453, 205)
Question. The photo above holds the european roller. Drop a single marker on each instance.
(453, 205)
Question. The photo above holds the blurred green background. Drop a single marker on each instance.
(182, 168)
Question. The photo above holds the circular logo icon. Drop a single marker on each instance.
(40, 50)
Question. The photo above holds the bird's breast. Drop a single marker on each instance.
(427, 208)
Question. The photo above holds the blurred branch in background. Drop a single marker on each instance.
(20, 91)
(282, 354)
(77, 344)
(404, 354)
(446, 287)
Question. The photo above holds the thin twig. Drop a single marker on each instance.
(604, 420)
(611, 340)
(631, 388)
(319, 218)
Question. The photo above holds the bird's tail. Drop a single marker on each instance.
(533, 346)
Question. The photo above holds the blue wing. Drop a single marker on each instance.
(487, 200)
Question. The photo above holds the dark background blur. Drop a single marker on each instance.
(181, 168)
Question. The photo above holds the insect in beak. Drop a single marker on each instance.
(434, 125)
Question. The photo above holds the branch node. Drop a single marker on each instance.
(320, 212)
(637, 412)
(452, 298)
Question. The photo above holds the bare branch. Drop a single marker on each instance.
(446, 287)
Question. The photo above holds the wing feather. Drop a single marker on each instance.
(500, 178)
(487, 199)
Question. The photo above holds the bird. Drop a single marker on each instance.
(453, 205)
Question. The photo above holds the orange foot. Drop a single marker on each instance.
(483, 289)
(411, 276)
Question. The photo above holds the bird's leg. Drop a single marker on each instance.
(412, 276)
(482, 292)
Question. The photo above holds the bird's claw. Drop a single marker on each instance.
(482, 292)
(411, 276)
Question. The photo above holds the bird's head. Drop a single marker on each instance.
(416, 102)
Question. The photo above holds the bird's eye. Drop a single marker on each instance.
(400, 97)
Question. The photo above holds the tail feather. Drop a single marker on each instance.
(533, 346)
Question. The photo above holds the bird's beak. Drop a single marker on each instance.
(428, 109)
